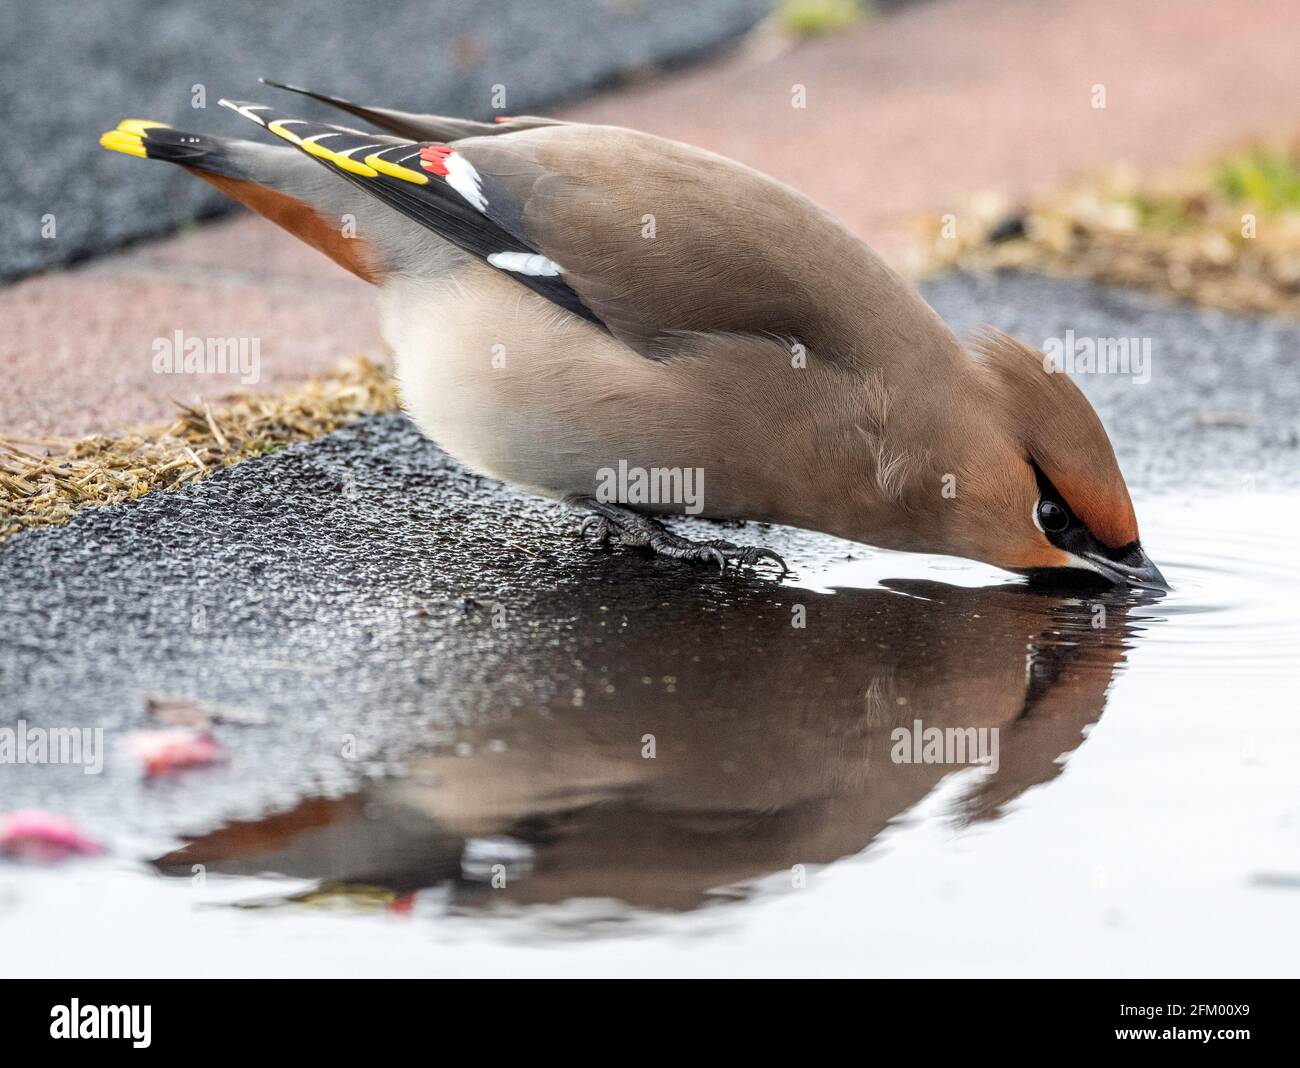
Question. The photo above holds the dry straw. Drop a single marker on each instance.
(1225, 234)
(43, 482)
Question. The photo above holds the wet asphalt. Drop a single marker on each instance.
(369, 598)
(70, 70)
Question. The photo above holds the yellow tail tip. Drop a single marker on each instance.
(139, 126)
(120, 141)
(129, 136)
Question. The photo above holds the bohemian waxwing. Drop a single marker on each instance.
(642, 327)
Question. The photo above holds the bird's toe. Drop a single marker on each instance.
(597, 523)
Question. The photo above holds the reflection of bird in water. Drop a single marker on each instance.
(683, 766)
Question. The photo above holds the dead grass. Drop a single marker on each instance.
(1225, 234)
(44, 482)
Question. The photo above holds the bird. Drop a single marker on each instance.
(642, 328)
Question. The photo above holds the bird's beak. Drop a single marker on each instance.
(1135, 570)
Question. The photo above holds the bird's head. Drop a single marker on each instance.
(1039, 491)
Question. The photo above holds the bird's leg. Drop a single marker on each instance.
(633, 528)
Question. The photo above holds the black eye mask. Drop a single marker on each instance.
(1067, 532)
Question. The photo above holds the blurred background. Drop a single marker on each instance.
(896, 116)
(69, 68)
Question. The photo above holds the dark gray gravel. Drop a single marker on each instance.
(359, 585)
(70, 70)
(351, 586)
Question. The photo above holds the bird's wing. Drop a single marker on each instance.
(417, 127)
(434, 185)
(647, 237)
(658, 238)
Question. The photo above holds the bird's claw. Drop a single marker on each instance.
(745, 555)
(600, 524)
(640, 531)
(752, 554)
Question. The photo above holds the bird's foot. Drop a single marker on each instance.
(633, 528)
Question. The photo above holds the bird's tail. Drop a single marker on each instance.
(229, 157)
(275, 181)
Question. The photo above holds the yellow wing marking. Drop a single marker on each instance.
(395, 170)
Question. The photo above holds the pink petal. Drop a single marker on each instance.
(165, 751)
(31, 834)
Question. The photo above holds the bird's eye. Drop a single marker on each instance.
(1052, 517)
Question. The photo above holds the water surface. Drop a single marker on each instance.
(1143, 815)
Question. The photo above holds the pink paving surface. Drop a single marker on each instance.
(903, 115)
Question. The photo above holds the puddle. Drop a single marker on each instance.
(699, 775)
(1236, 608)
(681, 772)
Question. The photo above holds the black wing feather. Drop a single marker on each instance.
(435, 204)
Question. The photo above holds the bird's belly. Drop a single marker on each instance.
(517, 389)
